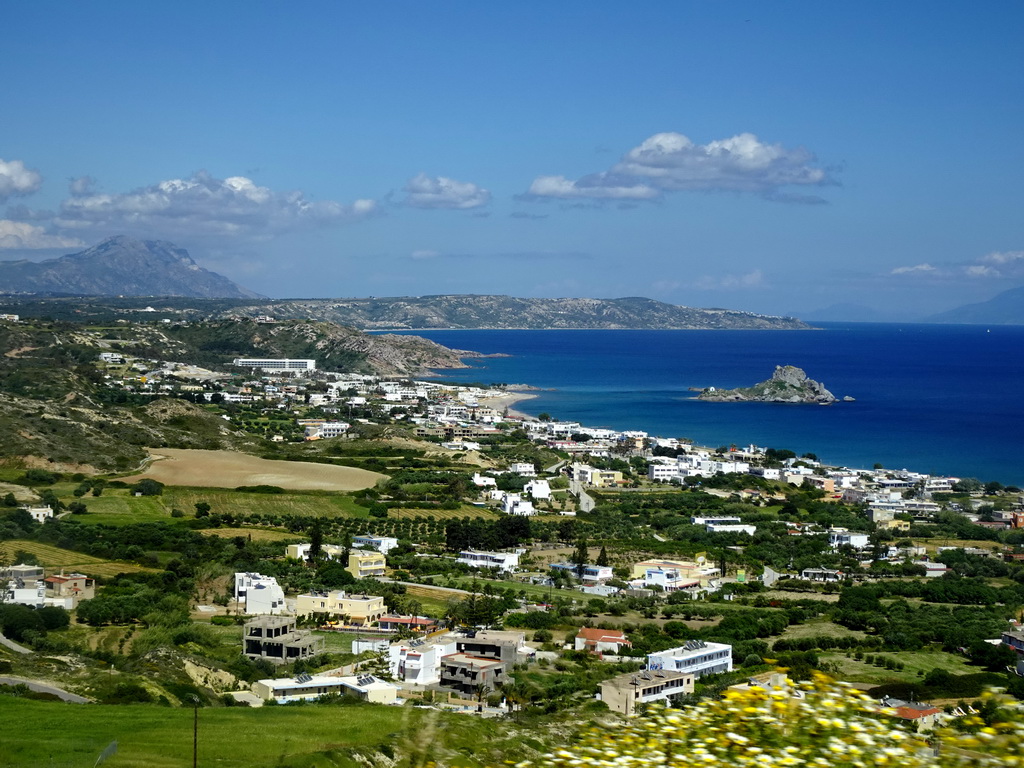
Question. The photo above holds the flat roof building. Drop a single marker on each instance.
(695, 656)
(276, 365)
(623, 693)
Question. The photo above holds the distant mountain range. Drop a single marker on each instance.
(1006, 308)
(119, 266)
(508, 312)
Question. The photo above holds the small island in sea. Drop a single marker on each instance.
(788, 384)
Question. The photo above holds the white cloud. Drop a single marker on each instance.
(1003, 257)
(924, 268)
(425, 254)
(441, 192)
(21, 235)
(981, 270)
(204, 205)
(669, 162)
(16, 180)
(598, 186)
(81, 186)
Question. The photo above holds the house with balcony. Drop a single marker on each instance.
(355, 610)
(363, 564)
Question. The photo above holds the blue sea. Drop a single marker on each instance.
(931, 398)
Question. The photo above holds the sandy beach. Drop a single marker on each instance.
(507, 401)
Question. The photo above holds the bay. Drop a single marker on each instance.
(931, 398)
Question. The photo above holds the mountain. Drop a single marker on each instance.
(120, 266)
(1006, 308)
(508, 312)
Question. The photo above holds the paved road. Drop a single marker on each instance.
(13, 645)
(74, 698)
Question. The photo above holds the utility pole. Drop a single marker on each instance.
(195, 730)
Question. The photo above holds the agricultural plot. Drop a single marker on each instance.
(225, 502)
(54, 557)
(444, 514)
(227, 469)
(916, 665)
(255, 534)
(119, 507)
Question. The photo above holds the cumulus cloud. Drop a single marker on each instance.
(204, 205)
(24, 236)
(440, 192)
(668, 162)
(16, 180)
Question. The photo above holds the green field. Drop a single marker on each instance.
(224, 502)
(40, 734)
(855, 671)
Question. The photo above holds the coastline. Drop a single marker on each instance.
(508, 400)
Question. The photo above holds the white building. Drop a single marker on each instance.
(419, 661)
(696, 657)
(260, 594)
(382, 544)
(484, 481)
(41, 514)
(592, 574)
(365, 687)
(503, 561)
(750, 530)
(514, 504)
(523, 468)
(277, 365)
(539, 490)
(840, 537)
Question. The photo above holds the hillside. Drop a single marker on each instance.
(55, 405)
(1006, 308)
(471, 311)
(119, 266)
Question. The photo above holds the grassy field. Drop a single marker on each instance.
(54, 557)
(256, 534)
(149, 736)
(118, 507)
(914, 661)
(819, 627)
(224, 502)
(466, 510)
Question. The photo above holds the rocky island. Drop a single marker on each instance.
(788, 384)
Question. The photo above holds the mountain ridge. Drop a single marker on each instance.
(499, 312)
(1006, 308)
(119, 266)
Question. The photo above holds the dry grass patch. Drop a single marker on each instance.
(256, 534)
(228, 469)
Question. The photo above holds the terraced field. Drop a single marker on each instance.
(225, 502)
(55, 557)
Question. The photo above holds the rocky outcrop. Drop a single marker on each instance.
(788, 384)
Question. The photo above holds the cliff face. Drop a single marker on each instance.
(788, 384)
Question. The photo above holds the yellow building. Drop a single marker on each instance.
(357, 610)
(364, 564)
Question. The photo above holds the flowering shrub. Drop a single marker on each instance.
(826, 725)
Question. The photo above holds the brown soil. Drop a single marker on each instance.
(227, 469)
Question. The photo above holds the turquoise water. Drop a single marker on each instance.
(931, 398)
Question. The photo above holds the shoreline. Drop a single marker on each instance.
(506, 401)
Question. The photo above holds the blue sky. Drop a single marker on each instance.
(776, 157)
